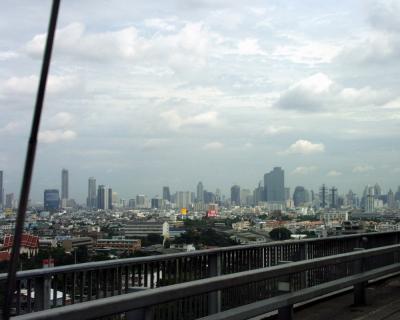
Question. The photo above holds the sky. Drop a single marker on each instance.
(143, 94)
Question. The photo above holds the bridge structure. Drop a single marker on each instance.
(237, 282)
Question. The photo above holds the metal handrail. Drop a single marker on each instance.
(98, 265)
(148, 298)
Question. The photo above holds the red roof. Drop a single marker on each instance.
(27, 241)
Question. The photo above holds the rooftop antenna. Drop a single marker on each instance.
(29, 163)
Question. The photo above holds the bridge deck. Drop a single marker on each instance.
(383, 304)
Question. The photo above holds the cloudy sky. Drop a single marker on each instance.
(150, 93)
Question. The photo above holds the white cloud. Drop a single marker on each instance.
(175, 121)
(304, 170)
(7, 55)
(52, 136)
(305, 147)
(363, 168)
(334, 173)
(274, 130)
(12, 127)
(310, 53)
(213, 146)
(161, 24)
(29, 84)
(249, 46)
(61, 119)
(153, 143)
(187, 48)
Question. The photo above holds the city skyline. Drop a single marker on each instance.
(89, 198)
(180, 96)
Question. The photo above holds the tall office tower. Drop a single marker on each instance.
(140, 201)
(103, 197)
(397, 194)
(258, 194)
(131, 203)
(274, 185)
(110, 198)
(1, 190)
(245, 197)
(183, 199)
(9, 201)
(218, 196)
(333, 198)
(235, 195)
(91, 200)
(323, 196)
(64, 184)
(287, 193)
(166, 194)
(200, 192)
(351, 199)
(390, 200)
(209, 197)
(377, 190)
(300, 196)
(51, 200)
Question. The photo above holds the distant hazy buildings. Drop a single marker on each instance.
(183, 199)
(9, 201)
(300, 196)
(200, 192)
(166, 194)
(91, 200)
(1, 190)
(323, 196)
(274, 185)
(235, 195)
(51, 200)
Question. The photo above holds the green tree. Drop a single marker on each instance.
(280, 234)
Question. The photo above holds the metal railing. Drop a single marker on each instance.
(41, 289)
(278, 287)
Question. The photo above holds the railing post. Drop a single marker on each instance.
(214, 298)
(360, 297)
(42, 293)
(285, 313)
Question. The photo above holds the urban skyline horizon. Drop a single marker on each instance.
(225, 190)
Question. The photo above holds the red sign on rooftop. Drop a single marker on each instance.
(27, 241)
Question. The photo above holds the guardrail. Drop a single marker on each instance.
(260, 291)
(42, 289)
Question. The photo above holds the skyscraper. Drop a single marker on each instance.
(274, 185)
(183, 199)
(91, 201)
(200, 192)
(110, 199)
(103, 197)
(333, 198)
(166, 194)
(51, 199)
(300, 196)
(64, 184)
(1, 190)
(235, 195)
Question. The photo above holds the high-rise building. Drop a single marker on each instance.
(235, 195)
(300, 196)
(183, 199)
(377, 190)
(103, 198)
(131, 203)
(390, 200)
(274, 185)
(258, 194)
(64, 184)
(1, 190)
(9, 201)
(91, 200)
(110, 198)
(200, 192)
(51, 200)
(141, 201)
(166, 194)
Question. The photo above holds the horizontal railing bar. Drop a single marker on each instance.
(130, 301)
(132, 261)
(260, 307)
